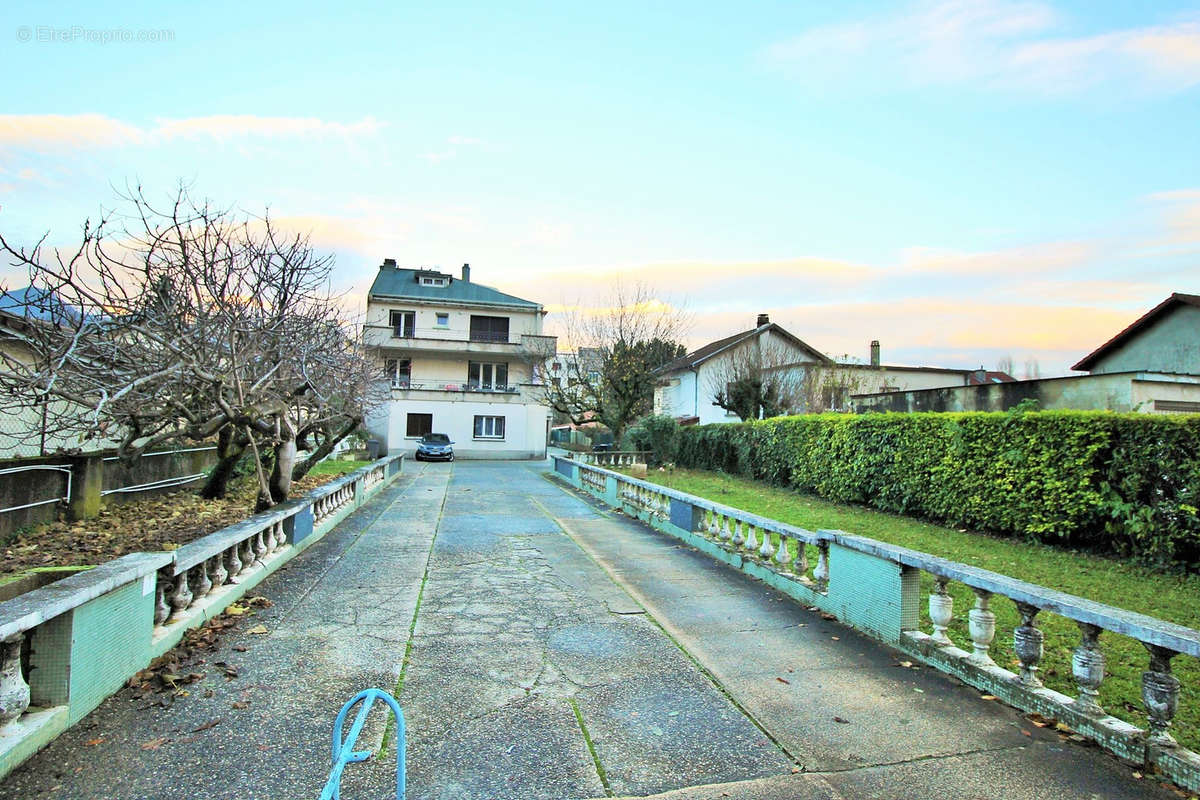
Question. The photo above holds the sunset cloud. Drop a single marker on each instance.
(45, 132)
(997, 43)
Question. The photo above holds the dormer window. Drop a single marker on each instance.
(428, 281)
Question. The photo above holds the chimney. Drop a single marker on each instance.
(874, 352)
(389, 263)
(466, 273)
(763, 319)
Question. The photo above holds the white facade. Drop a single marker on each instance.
(461, 359)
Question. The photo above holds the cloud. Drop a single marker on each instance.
(1180, 211)
(456, 142)
(224, 127)
(76, 131)
(52, 132)
(996, 43)
(1029, 259)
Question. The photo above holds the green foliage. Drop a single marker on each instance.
(1123, 483)
(658, 434)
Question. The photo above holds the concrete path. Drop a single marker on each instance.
(543, 647)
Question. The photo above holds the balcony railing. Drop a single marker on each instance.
(490, 336)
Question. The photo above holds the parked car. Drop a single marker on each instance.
(435, 447)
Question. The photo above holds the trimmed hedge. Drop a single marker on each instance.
(1122, 483)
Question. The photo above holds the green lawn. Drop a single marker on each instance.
(334, 467)
(1105, 580)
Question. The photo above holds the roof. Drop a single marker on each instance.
(981, 377)
(37, 304)
(1146, 320)
(393, 282)
(699, 356)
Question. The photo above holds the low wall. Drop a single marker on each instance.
(874, 587)
(36, 490)
(67, 646)
(1116, 391)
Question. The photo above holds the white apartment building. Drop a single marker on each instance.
(461, 359)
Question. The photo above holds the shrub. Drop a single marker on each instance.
(1123, 483)
(658, 434)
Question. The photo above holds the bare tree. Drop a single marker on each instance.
(609, 375)
(1033, 370)
(759, 379)
(827, 387)
(185, 323)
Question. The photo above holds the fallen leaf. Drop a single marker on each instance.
(236, 610)
(240, 704)
(826, 615)
(260, 601)
(988, 697)
(836, 638)
(905, 664)
(258, 630)
(784, 680)
(240, 648)
(210, 724)
(154, 744)
(1026, 733)
(843, 721)
(93, 742)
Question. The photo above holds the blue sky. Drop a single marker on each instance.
(961, 179)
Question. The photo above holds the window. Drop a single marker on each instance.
(443, 320)
(489, 427)
(419, 425)
(398, 371)
(834, 397)
(489, 329)
(487, 377)
(427, 281)
(404, 323)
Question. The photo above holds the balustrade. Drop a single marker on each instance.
(750, 537)
(14, 691)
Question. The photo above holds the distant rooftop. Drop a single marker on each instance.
(33, 303)
(393, 282)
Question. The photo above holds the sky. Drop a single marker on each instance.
(963, 180)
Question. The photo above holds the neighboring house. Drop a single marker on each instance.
(1152, 366)
(816, 382)
(461, 359)
(686, 386)
(1165, 339)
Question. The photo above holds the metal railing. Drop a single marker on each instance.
(64, 468)
(343, 748)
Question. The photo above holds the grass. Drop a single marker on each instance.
(335, 467)
(1106, 580)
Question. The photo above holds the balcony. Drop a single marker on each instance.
(523, 346)
(463, 391)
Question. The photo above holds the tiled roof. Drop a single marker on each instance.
(989, 376)
(699, 356)
(393, 282)
(1147, 319)
(33, 303)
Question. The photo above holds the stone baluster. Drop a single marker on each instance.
(1027, 644)
(246, 554)
(14, 691)
(800, 565)
(751, 543)
(941, 611)
(217, 571)
(765, 550)
(821, 573)
(1160, 693)
(181, 594)
(161, 609)
(782, 556)
(714, 526)
(260, 546)
(233, 564)
(726, 529)
(203, 583)
(739, 538)
(1087, 665)
(981, 623)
